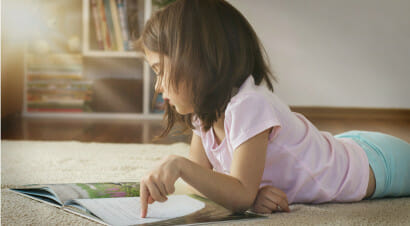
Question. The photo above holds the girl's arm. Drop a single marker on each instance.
(197, 155)
(236, 191)
(267, 199)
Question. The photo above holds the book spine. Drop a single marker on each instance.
(54, 69)
(46, 83)
(55, 77)
(104, 26)
(55, 81)
(54, 59)
(123, 22)
(97, 24)
(51, 100)
(117, 27)
(109, 20)
(66, 110)
(54, 94)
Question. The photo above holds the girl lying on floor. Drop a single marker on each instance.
(248, 149)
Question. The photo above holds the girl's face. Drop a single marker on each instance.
(178, 99)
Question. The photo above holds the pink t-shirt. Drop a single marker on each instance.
(309, 165)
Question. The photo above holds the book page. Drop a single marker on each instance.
(66, 192)
(44, 194)
(127, 211)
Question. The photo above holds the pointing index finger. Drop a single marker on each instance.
(144, 193)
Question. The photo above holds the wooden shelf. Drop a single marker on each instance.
(129, 54)
(94, 115)
(121, 56)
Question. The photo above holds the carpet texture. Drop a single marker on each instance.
(35, 162)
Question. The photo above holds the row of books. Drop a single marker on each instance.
(111, 24)
(56, 84)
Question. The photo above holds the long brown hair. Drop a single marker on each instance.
(212, 48)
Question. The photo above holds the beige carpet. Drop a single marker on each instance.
(24, 162)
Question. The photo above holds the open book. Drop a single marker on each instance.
(119, 204)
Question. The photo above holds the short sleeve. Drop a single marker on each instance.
(249, 116)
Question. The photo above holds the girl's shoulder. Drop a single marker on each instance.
(249, 99)
(252, 95)
(251, 111)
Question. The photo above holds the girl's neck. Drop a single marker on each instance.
(219, 129)
(219, 124)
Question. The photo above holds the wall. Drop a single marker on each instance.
(336, 53)
(324, 52)
(11, 65)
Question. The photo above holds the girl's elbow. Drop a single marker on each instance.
(242, 206)
(240, 209)
(243, 201)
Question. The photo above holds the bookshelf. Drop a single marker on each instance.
(122, 85)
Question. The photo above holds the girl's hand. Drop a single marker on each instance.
(159, 183)
(270, 199)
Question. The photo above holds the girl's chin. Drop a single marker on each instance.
(182, 111)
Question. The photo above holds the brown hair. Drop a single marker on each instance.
(211, 47)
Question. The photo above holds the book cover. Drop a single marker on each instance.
(58, 59)
(97, 24)
(104, 26)
(110, 24)
(50, 95)
(134, 17)
(53, 110)
(63, 85)
(122, 14)
(119, 204)
(58, 69)
(158, 104)
(53, 76)
(117, 27)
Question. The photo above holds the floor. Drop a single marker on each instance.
(16, 127)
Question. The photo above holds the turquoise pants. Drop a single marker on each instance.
(389, 157)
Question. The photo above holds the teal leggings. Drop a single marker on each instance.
(389, 158)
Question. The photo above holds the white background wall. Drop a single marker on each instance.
(344, 53)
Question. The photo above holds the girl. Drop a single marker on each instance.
(248, 150)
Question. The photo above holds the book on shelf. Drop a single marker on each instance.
(158, 105)
(55, 83)
(57, 106)
(71, 101)
(104, 25)
(56, 110)
(111, 24)
(54, 59)
(116, 25)
(59, 84)
(119, 204)
(133, 18)
(48, 75)
(54, 66)
(122, 15)
(97, 24)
